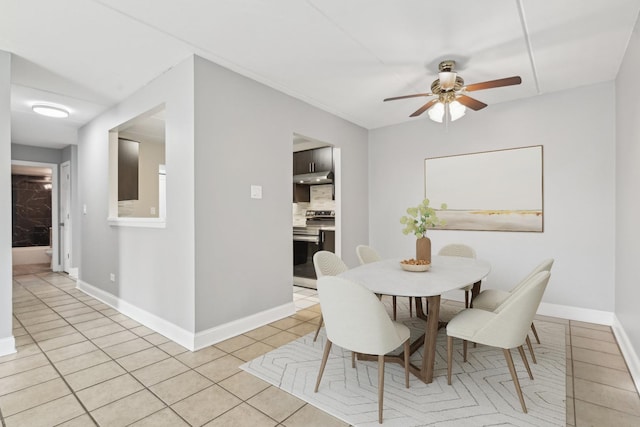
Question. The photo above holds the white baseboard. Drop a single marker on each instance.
(181, 336)
(556, 310)
(576, 313)
(240, 326)
(628, 352)
(7, 345)
(73, 272)
(161, 326)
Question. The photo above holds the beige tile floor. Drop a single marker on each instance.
(81, 363)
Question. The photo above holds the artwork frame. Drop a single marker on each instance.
(499, 190)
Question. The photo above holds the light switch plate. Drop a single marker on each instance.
(256, 191)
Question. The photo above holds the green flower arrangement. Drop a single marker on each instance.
(420, 218)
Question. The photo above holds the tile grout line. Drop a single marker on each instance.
(570, 349)
(573, 373)
(107, 354)
(55, 368)
(137, 380)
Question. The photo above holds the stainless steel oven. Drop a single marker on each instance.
(317, 235)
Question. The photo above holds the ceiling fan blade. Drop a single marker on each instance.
(407, 96)
(472, 103)
(508, 81)
(424, 108)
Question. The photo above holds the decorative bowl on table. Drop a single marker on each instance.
(415, 265)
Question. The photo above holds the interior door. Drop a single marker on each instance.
(65, 215)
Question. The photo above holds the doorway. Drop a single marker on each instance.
(316, 209)
(65, 216)
(36, 240)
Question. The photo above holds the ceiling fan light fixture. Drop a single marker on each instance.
(447, 80)
(50, 111)
(456, 110)
(436, 113)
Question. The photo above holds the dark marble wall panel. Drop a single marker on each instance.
(31, 209)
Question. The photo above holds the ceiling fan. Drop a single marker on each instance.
(451, 95)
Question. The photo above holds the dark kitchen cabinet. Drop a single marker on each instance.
(301, 193)
(322, 159)
(302, 161)
(328, 240)
(318, 160)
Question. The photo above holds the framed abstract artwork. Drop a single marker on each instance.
(498, 190)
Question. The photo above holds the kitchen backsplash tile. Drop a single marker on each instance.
(299, 210)
(322, 198)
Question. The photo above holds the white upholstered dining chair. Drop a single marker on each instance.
(366, 254)
(490, 299)
(506, 327)
(465, 251)
(357, 321)
(326, 264)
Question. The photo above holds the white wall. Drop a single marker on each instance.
(154, 268)
(576, 128)
(7, 342)
(627, 201)
(244, 134)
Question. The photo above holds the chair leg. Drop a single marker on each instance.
(353, 359)
(394, 307)
(526, 362)
(535, 333)
(449, 358)
(318, 330)
(410, 306)
(466, 299)
(325, 356)
(464, 350)
(514, 376)
(407, 355)
(533, 356)
(380, 385)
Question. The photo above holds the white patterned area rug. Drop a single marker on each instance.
(482, 392)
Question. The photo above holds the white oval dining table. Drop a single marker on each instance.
(446, 273)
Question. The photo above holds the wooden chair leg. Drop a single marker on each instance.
(526, 362)
(353, 359)
(325, 356)
(533, 356)
(407, 356)
(318, 330)
(464, 350)
(535, 333)
(514, 376)
(380, 385)
(394, 307)
(466, 299)
(410, 306)
(449, 358)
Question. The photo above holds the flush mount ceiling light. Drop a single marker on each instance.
(50, 111)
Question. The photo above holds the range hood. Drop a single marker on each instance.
(324, 177)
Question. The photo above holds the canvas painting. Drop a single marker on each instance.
(492, 191)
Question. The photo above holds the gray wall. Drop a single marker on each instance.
(627, 201)
(578, 135)
(244, 133)
(6, 334)
(153, 267)
(29, 153)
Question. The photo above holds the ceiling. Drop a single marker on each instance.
(341, 56)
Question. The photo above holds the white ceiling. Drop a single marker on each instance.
(343, 56)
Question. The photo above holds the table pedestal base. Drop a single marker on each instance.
(428, 341)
